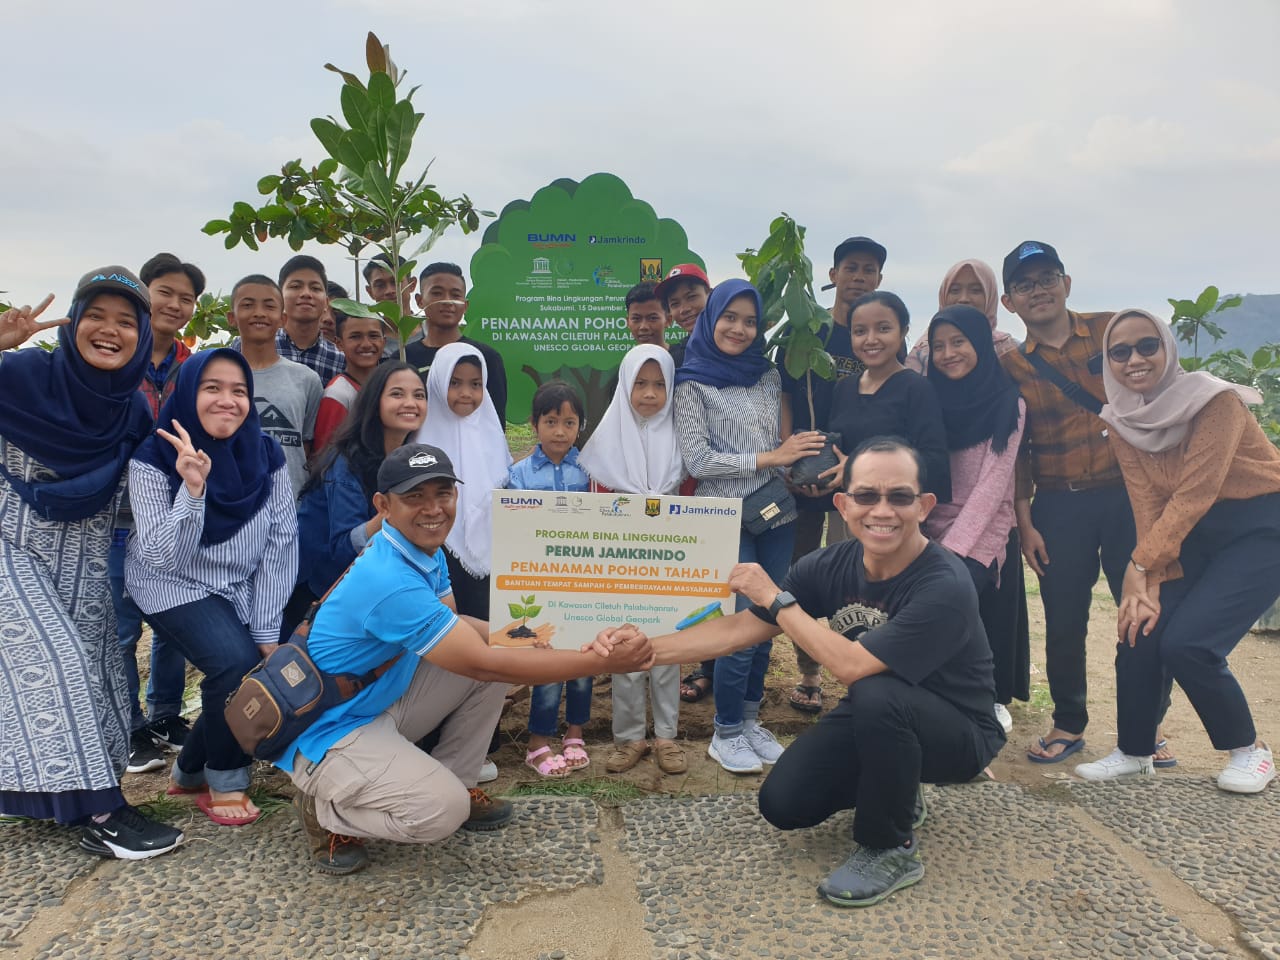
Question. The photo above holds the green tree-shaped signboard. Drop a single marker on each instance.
(549, 281)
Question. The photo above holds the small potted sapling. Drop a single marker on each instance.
(523, 611)
(798, 326)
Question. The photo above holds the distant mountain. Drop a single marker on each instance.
(1255, 322)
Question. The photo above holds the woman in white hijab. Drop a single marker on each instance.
(1205, 486)
(635, 450)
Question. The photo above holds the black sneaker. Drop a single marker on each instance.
(170, 732)
(870, 875)
(487, 813)
(144, 752)
(128, 835)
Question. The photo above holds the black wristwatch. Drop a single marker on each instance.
(783, 599)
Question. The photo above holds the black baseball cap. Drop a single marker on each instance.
(1026, 251)
(412, 464)
(857, 245)
(114, 279)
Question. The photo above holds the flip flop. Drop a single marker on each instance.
(1166, 763)
(206, 803)
(805, 703)
(1069, 747)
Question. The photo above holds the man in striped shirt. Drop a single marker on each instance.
(1080, 517)
(306, 297)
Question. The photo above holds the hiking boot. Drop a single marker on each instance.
(144, 752)
(735, 754)
(332, 853)
(1115, 766)
(487, 813)
(920, 811)
(170, 732)
(870, 875)
(128, 835)
(763, 743)
(1249, 770)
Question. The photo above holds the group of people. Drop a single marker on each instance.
(226, 495)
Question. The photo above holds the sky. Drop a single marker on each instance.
(1139, 137)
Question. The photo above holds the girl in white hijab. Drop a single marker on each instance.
(635, 450)
(1204, 482)
(463, 422)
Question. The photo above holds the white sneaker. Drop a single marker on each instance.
(734, 754)
(1249, 770)
(1004, 717)
(1115, 766)
(488, 772)
(763, 743)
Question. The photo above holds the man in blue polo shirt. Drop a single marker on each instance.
(357, 770)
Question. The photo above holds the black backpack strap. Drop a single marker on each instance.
(1069, 387)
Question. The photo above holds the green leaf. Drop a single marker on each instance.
(326, 168)
(357, 108)
(242, 211)
(378, 186)
(353, 308)
(382, 92)
(216, 226)
(529, 599)
(516, 611)
(329, 134)
(267, 185)
(1228, 303)
(1207, 300)
(401, 126)
(532, 611)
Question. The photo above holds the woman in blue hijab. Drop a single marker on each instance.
(70, 419)
(213, 557)
(728, 411)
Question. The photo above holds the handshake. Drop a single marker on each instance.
(626, 648)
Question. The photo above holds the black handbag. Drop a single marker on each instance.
(768, 507)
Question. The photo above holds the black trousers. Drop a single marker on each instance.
(1082, 530)
(1231, 575)
(870, 754)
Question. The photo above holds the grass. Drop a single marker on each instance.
(164, 807)
(605, 791)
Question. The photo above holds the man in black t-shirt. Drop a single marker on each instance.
(903, 632)
(442, 297)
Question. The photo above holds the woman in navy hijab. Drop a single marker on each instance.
(728, 411)
(213, 557)
(69, 420)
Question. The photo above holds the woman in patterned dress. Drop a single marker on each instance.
(69, 420)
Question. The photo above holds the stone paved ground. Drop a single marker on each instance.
(1164, 868)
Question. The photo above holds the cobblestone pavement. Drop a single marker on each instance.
(1162, 868)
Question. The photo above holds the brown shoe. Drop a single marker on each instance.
(624, 756)
(487, 813)
(332, 853)
(671, 758)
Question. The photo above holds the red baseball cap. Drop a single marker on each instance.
(678, 272)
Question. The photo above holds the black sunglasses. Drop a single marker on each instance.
(896, 498)
(1146, 347)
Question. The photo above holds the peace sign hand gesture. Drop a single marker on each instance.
(192, 464)
(19, 324)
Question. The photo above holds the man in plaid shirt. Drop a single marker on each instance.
(305, 289)
(1080, 518)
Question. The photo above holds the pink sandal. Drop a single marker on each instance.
(552, 766)
(574, 754)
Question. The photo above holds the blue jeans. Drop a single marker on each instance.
(211, 636)
(544, 705)
(168, 667)
(740, 675)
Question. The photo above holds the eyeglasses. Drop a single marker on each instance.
(1046, 282)
(896, 498)
(1146, 347)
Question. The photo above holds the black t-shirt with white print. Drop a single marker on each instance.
(923, 623)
